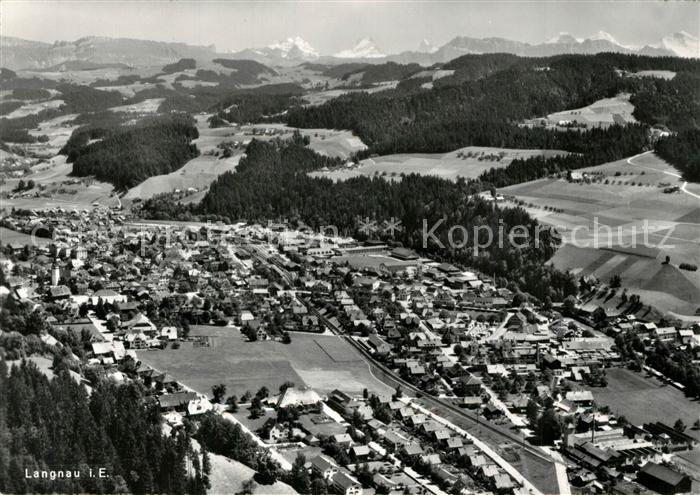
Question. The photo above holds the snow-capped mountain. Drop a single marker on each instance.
(20, 54)
(294, 48)
(603, 36)
(364, 48)
(562, 38)
(682, 44)
(426, 46)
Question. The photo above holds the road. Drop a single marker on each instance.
(673, 174)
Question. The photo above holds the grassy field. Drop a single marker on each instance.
(467, 162)
(34, 108)
(661, 74)
(146, 106)
(8, 236)
(54, 175)
(599, 113)
(321, 362)
(228, 476)
(642, 399)
(622, 208)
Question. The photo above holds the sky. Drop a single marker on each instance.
(331, 26)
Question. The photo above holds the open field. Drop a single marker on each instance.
(643, 399)
(469, 162)
(34, 108)
(603, 113)
(661, 74)
(146, 106)
(65, 191)
(198, 173)
(228, 476)
(8, 236)
(318, 361)
(321, 97)
(623, 209)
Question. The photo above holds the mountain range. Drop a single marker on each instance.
(17, 53)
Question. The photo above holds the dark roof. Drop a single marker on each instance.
(178, 399)
(662, 473)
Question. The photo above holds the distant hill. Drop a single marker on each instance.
(77, 65)
(24, 54)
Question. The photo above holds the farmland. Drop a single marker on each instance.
(318, 361)
(600, 113)
(628, 194)
(642, 399)
(467, 162)
(62, 190)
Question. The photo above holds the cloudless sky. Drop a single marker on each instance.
(331, 26)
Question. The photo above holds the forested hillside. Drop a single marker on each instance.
(683, 151)
(54, 425)
(126, 156)
(479, 112)
(482, 103)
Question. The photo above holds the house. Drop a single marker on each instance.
(342, 439)
(359, 452)
(324, 467)
(344, 484)
(176, 402)
(470, 384)
(199, 406)
(662, 479)
(379, 345)
(580, 398)
(412, 449)
(59, 292)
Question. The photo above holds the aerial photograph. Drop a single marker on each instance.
(350, 247)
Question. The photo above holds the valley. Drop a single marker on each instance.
(469, 267)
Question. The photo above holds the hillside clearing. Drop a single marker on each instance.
(468, 162)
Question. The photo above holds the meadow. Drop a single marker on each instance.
(468, 162)
(319, 361)
(642, 399)
(599, 113)
(633, 196)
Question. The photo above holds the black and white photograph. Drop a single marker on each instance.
(350, 247)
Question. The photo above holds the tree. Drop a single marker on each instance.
(256, 409)
(569, 305)
(262, 393)
(696, 425)
(318, 487)
(298, 476)
(218, 391)
(206, 467)
(268, 469)
(285, 386)
(232, 403)
(679, 426)
(599, 315)
(549, 427)
(615, 281)
(247, 487)
(533, 412)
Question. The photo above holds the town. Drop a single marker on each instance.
(359, 367)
